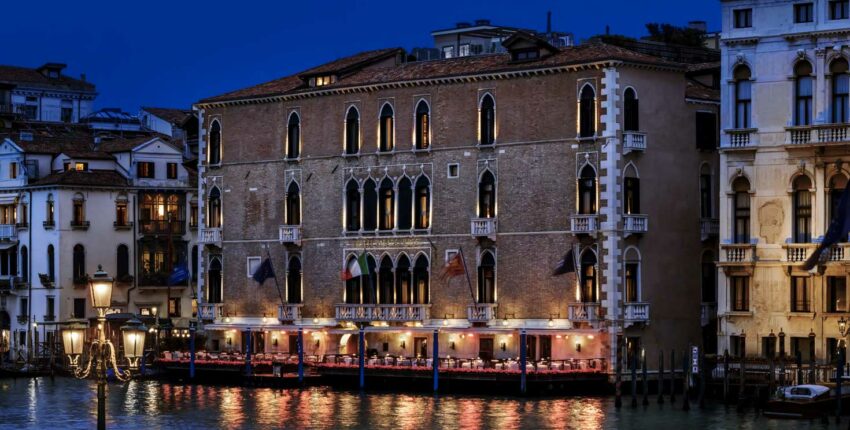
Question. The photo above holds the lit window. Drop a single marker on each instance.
(145, 169)
(81, 167)
(448, 52)
(171, 170)
(13, 170)
(463, 50)
(323, 80)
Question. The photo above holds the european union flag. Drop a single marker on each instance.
(265, 271)
(179, 274)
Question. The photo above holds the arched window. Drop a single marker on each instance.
(631, 113)
(122, 263)
(837, 183)
(195, 263)
(405, 204)
(293, 205)
(803, 93)
(587, 191)
(705, 195)
(632, 276)
(423, 203)
(587, 112)
(387, 205)
(631, 192)
(49, 213)
(840, 90)
(743, 96)
(214, 209)
(709, 276)
(802, 209)
(352, 131)
(403, 292)
(24, 264)
(370, 206)
(386, 131)
(79, 214)
(588, 277)
(51, 263)
(385, 281)
(487, 120)
(420, 281)
(487, 278)
(79, 264)
(741, 210)
(370, 283)
(214, 152)
(214, 290)
(352, 206)
(293, 280)
(422, 139)
(293, 136)
(487, 195)
(352, 286)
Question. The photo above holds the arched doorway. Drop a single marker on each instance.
(5, 335)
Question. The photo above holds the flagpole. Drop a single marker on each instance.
(466, 272)
(276, 284)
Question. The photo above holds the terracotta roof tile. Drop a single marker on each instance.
(32, 77)
(698, 91)
(481, 64)
(90, 178)
(173, 116)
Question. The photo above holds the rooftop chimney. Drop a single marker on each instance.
(698, 25)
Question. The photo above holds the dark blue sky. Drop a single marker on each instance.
(172, 53)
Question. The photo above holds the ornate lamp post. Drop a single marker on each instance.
(101, 354)
(73, 340)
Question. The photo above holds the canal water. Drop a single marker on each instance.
(63, 403)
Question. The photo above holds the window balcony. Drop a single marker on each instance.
(49, 318)
(80, 224)
(583, 224)
(635, 224)
(832, 133)
(289, 312)
(483, 227)
(48, 225)
(798, 252)
(210, 311)
(290, 234)
(708, 311)
(634, 141)
(637, 313)
(481, 312)
(738, 253)
(740, 138)
(122, 225)
(389, 313)
(147, 226)
(210, 236)
(708, 228)
(583, 312)
(817, 134)
(8, 232)
(23, 319)
(839, 252)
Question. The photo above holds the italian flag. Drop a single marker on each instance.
(356, 268)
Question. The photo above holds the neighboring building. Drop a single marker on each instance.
(482, 37)
(44, 94)
(112, 119)
(510, 159)
(783, 167)
(71, 202)
(181, 125)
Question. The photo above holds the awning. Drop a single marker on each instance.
(7, 245)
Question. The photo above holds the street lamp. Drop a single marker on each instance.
(73, 340)
(134, 342)
(842, 327)
(101, 354)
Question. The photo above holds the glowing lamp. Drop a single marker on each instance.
(100, 286)
(134, 333)
(842, 327)
(73, 340)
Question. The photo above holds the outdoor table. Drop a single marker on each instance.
(513, 365)
(373, 361)
(346, 360)
(466, 365)
(428, 362)
(479, 364)
(405, 362)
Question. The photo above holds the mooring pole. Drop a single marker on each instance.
(522, 360)
(703, 380)
(686, 404)
(248, 352)
(672, 376)
(645, 382)
(362, 359)
(435, 362)
(633, 364)
(726, 376)
(192, 350)
(300, 347)
(618, 389)
(661, 377)
(839, 375)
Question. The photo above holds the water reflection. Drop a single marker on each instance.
(70, 404)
